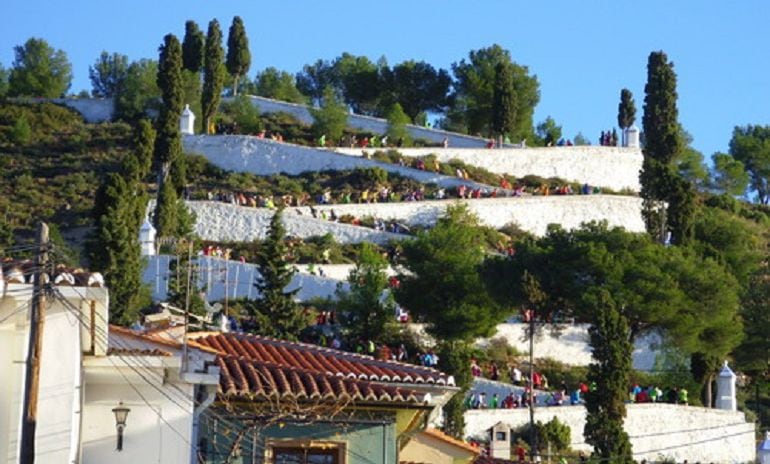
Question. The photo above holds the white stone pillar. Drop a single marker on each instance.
(147, 238)
(632, 137)
(763, 451)
(187, 121)
(500, 442)
(726, 389)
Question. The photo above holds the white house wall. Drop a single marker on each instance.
(151, 430)
(656, 430)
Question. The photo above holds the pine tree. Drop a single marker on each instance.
(275, 312)
(331, 118)
(605, 405)
(192, 47)
(366, 309)
(397, 132)
(213, 75)
(504, 102)
(660, 182)
(238, 54)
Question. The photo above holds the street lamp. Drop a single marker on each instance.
(121, 413)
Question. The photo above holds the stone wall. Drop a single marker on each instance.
(242, 153)
(223, 221)
(219, 221)
(656, 430)
(531, 213)
(609, 167)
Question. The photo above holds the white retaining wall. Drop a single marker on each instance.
(93, 110)
(243, 153)
(611, 167)
(656, 430)
(567, 343)
(219, 221)
(368, 123)
(531, 213)
(217, 276)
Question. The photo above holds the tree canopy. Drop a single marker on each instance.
(751, 146)
(275, 312)
(272, 83)
(139, 91)
(39, 70)
(108, 74)
(626, 109)
(504, 102)
(474, 93)
(442, 285)
(691, 299)
(238, 55)
(331, 118)
(193, 46)
(213, 75)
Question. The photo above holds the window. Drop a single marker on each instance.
(308, 453)
(500, 436)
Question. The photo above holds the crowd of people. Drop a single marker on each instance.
(609, 138)
(546, 395)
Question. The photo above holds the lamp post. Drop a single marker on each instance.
(121, 413)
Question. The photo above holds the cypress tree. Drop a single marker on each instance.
(192, 47)
(275, 312)
(503, 102)
(168, 142)
(213, 75)
(166, 218)
(660, 182)
(139, 165)
(238, 54)
(116, 249)
(605, 404)
(626, 109)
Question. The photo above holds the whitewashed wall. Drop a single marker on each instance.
(610, 167)
(242, 153)
(222, 221)
(147, 439)
(656, 430)
(218, 276)
(368, 123)
(225, 222)
(568, 344)
(93, 110)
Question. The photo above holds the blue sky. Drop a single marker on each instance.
(582, 51)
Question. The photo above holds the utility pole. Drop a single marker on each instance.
(34, 349)
(532, 397)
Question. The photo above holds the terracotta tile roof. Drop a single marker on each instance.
(439, 435)
(136, 352)
(319, 360)
(20, 271)
(154, 337)
(247, 378)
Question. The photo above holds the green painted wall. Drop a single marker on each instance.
(366, 443)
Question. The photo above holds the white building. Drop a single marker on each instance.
(87, 369)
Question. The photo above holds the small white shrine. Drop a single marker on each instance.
(187, 121)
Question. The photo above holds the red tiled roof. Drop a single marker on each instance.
(319, 360)
(439, 435)
(243, 377)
